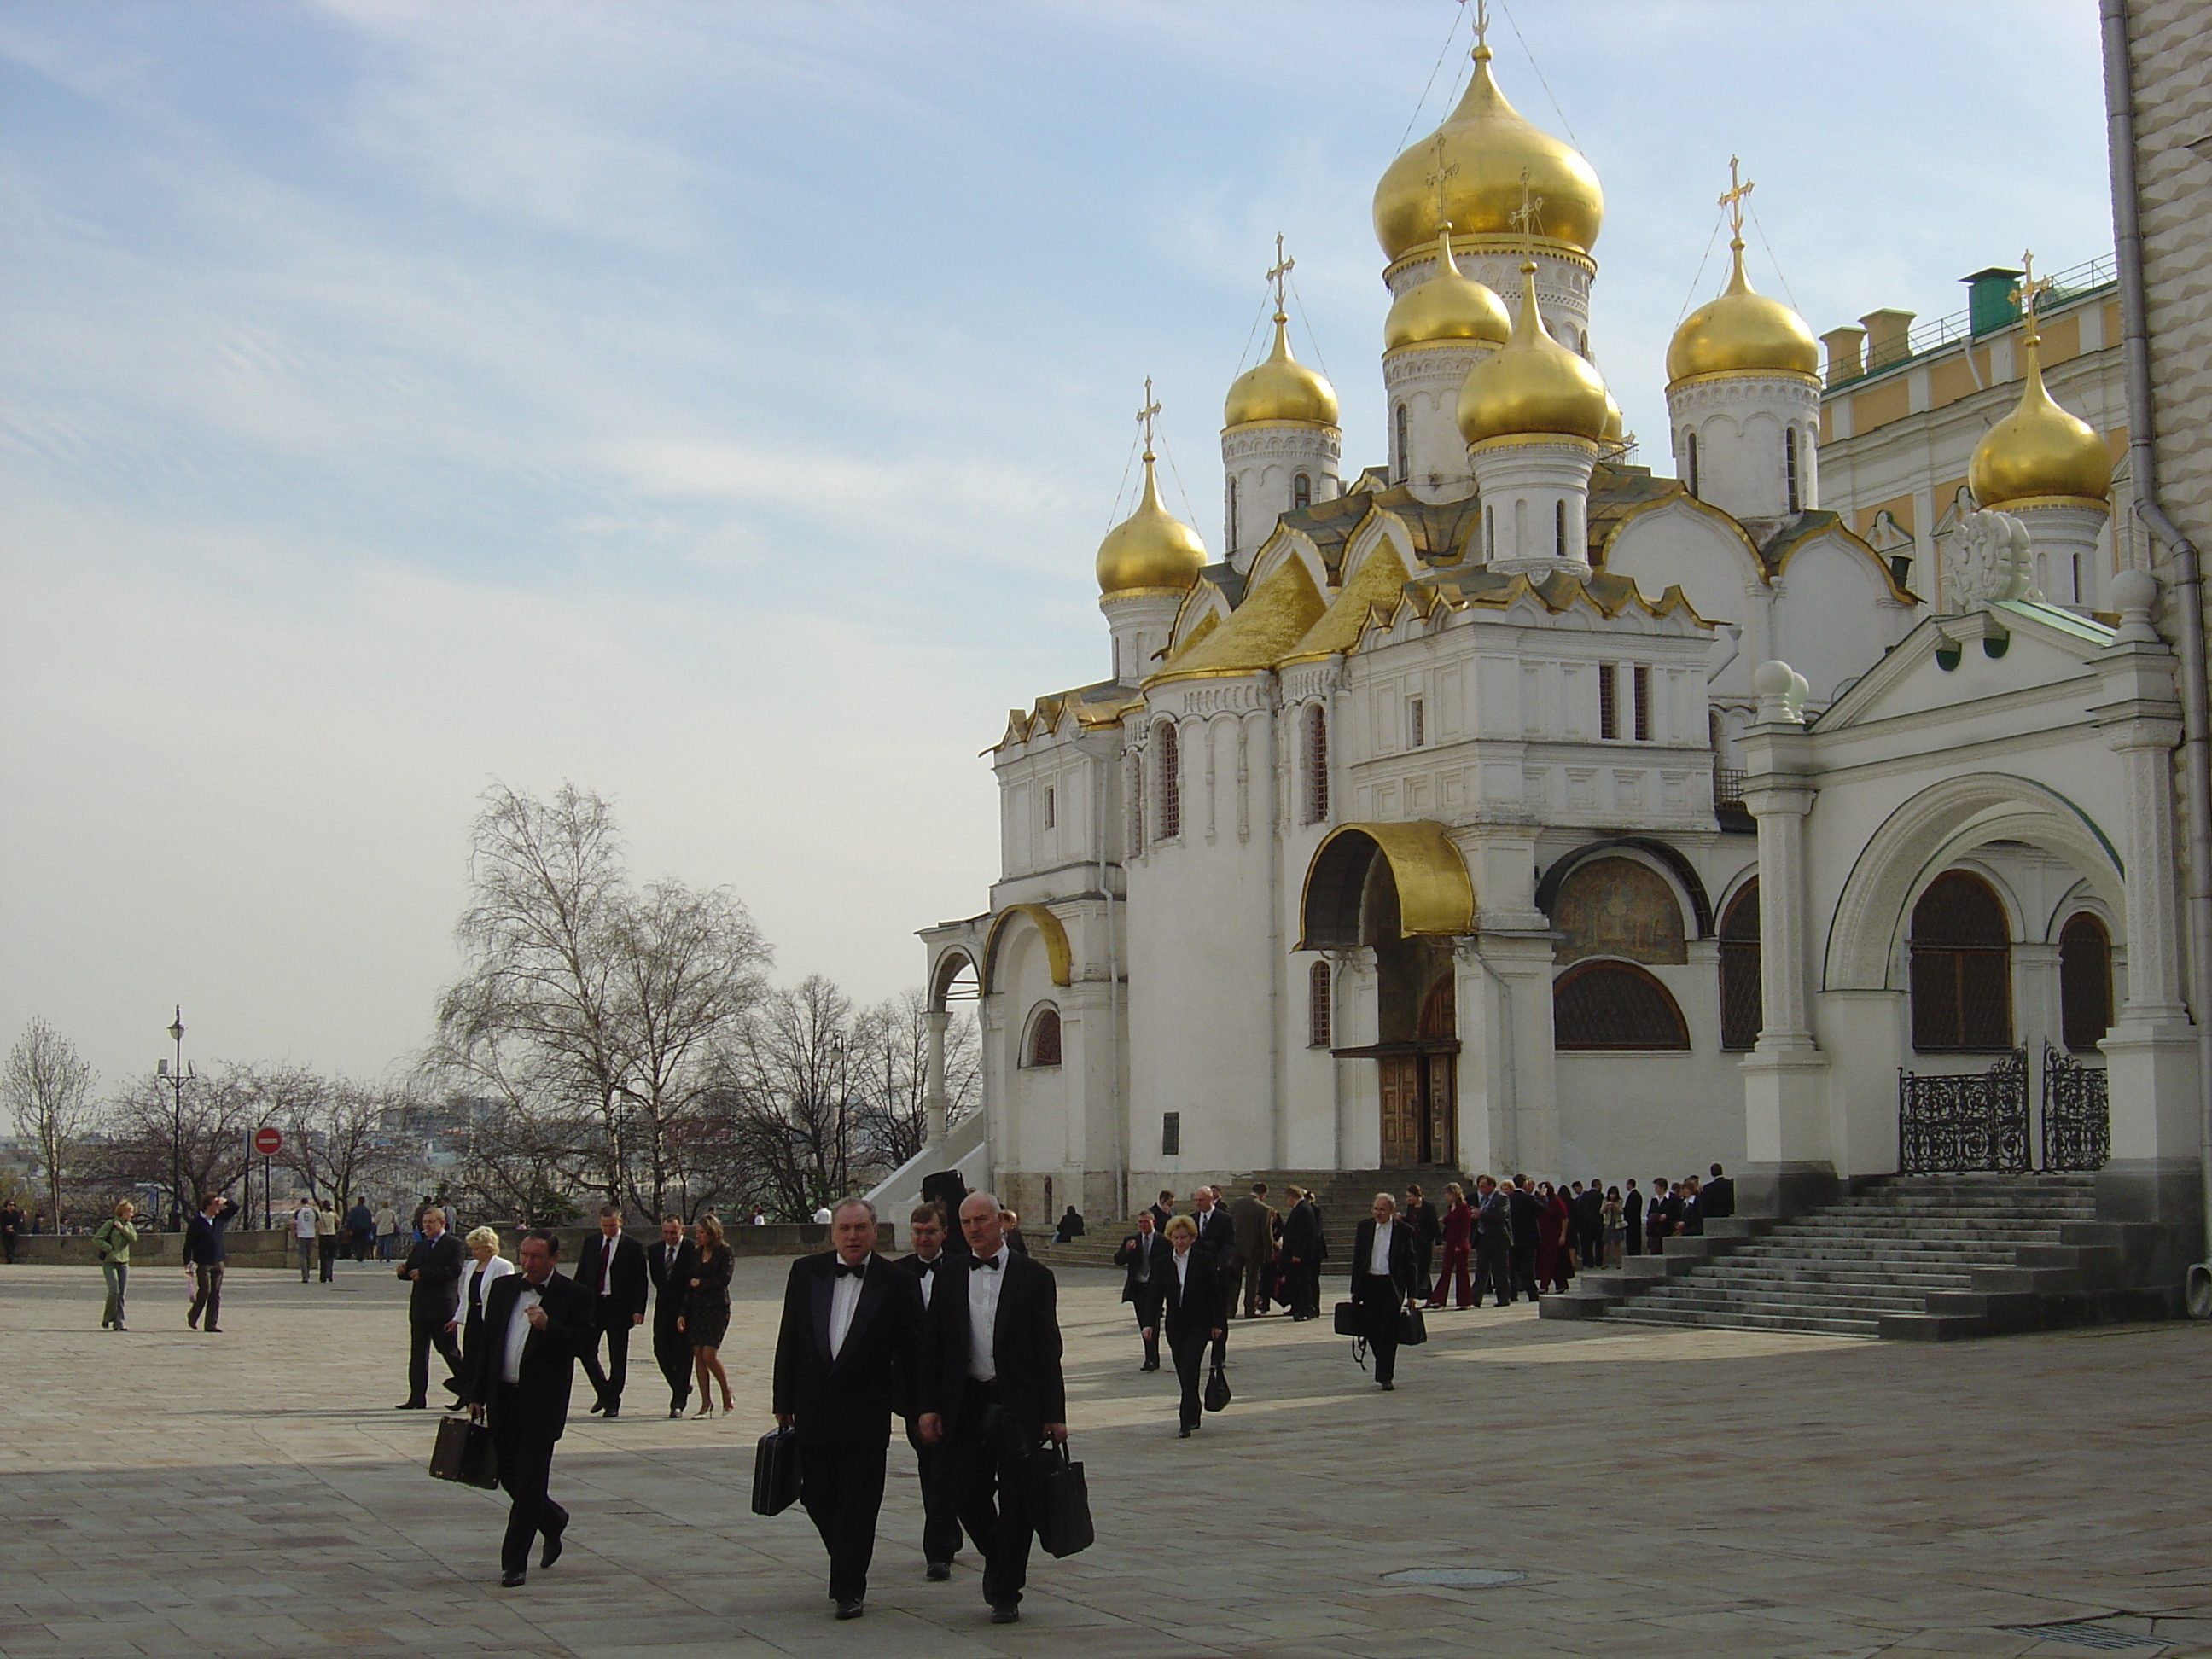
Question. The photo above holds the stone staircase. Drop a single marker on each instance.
(1925, 1257)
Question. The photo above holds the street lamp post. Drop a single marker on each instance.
(177, 1075)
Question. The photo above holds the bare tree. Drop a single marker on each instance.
(150, 1130)
(335, 1134)
(890, 1056)
(792, 1095)
(49, 1087)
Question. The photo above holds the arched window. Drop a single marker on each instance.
(1617, 907)
(1320, 1011)
(1790, 463)
(1961, 968)
(1042, 1046)
(2085, 980)
(1167, 762)
(1301, 490)
(1693, 479)
(1316, 764)
(1614, 1004)
(1488, 532)
(1405, 459)
(1741, 1009)
(1560, 529)
(1232, 512)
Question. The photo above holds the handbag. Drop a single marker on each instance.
(775, 1471)
(463, 1452)
(1217, 1395)
(1413, 1328)
(1061, 1503)
(1348, 1322)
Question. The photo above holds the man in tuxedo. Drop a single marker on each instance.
(671, 1264)
(613, 1271)
(1493, 1241)
(1141, 1255)
(1717, 1198)
(537, 1325)
(940, 1526)
(1162, 1211)
(1383, 1282)
(1252, 1219)
(851, 1325)
(1526, 1213)
(1192, 1312)
(1589, 1226)
(992, 1388)
(1631, 1218)
(1301, 1256)
(1217, 1241)
(433, 1269)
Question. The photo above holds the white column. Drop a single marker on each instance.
(932, 1084)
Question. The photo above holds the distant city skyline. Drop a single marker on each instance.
(720, 408)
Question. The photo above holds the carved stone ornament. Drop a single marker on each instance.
(1987, 561)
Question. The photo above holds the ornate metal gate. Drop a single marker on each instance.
(1974, 1121)
(2077, 1118)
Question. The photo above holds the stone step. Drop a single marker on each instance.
(1825, 1325)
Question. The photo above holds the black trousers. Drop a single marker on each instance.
(1147, 1306)
(1189, 1350)
(672, 1350)
(1524, 1269)
(422, 1335)
(206, 1294)
(326, 1252)
(989, 1495)
(526, 1466)
(1378, 1294)
(842, 1489)
(1633, 1243)
(1493, 1267)
(616, 1327)
(940, 1526)
(1227, 1278)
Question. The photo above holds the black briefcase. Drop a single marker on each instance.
(1060, 1502)
(1216, 1390)
(1348, 1322)
(775, 1471)
(463, 1452)
(1413, 1328)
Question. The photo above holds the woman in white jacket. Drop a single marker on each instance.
(467, 1323)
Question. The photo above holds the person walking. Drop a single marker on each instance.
(1303, 1251)
(1458, 1237)
(707, 1311)
(486, 1267)
(204, 1261)
(360, 1230)
(1615, 1227)
(992, 1388)
(1192, 1315)
(851, 1325)
(1493, 1241)
(1383, 1283)
(1162, 1211)
(1420, 1219)
(432, 1272)
(387, 1231)
(536, 1324)
(1527, 1213)
(612, 1271)
(940, 1524)
(1144, 1254)
(671, 1264)
(326, 1238)
(1252, 1223)
(11, 1229)
(1011, 1225)
(303, 1235)
(113, 1244)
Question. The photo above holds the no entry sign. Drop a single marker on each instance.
(267, 1142)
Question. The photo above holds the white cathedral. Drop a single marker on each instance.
(1512, 807)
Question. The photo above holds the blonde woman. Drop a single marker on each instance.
(112, 1242)
(707, 1312)
(486, 1267)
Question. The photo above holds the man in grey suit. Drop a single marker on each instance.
(1253, 1220)
(1493, 1241)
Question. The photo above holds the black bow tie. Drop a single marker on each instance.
(855, 1269)
(990, 1261)
(930, 1267)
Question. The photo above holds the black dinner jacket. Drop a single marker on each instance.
(433, 1299)
(1631, 1212)
(908, 1387)
(1527, 1212)
(1025, 1345)
(1217, 1235)
(1191, 1309)
(673, 1282)
(1125, 1256)
(627, 1272)
(847, 1401)
(548, 1356)
(1717, 1199)
(1402, 1268)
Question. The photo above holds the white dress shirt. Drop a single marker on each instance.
(518, 1333)
(844, 1300)
(607, 1249)
(1378, 1259)
(983, 1288)
(1183, 1272)
(929, 1280)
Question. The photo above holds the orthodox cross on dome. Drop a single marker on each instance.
(2028, 291)
(1528, 216)
(1481, 27)
(1443, 173)
(1278, 273)
(1732, 199)
(1147, 415)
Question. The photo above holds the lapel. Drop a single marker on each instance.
(825, 1278)
(872, 1292)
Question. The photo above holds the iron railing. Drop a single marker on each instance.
(2077, 1115)
(1939, 332)
(1976, 1121)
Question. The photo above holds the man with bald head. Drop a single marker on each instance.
(991, 1390)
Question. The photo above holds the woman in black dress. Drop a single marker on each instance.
(706, 1313)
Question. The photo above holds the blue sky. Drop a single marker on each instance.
(718, 405)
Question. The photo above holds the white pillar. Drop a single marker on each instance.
(933, 1085)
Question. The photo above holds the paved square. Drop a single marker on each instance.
(1664, 1492)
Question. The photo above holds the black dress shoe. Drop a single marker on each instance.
(551, 1552)
(411, 1405)
(1005, 1612)
(612, 1412)
(1183, 1434)
(675, 1411)
(214, 1330)
(850, 1608)
(510, 1581)
(937, 1572)
(597, 1406)
(1149, 1365)
(1388, 1388)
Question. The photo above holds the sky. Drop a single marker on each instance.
(718, 406)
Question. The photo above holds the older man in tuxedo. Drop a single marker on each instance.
(1384, 1279)
(671, 1263)
(849, 1323)
(940, 1526)
(537, 1325)
(992, 1390)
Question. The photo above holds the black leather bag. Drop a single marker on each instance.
(1348, 1322)
(1217, 1389)
(775, 1471)
(1059, 1502)
(463, 1452)
(1413, 1328)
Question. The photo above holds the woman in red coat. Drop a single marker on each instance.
(1551, 1238)
(1459, 1229)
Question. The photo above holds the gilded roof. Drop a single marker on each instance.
(1374, 588)
(1438, 530)
(1091, 706)
(1275, 616)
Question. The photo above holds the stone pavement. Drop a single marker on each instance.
(1661, 1493)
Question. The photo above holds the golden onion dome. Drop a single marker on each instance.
(1616, 429)
(1482, 148)
(1151, 548)
(1280, 388)
(1742, 331)
(1447, 306)
(1532, 384)
(2039, 449)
